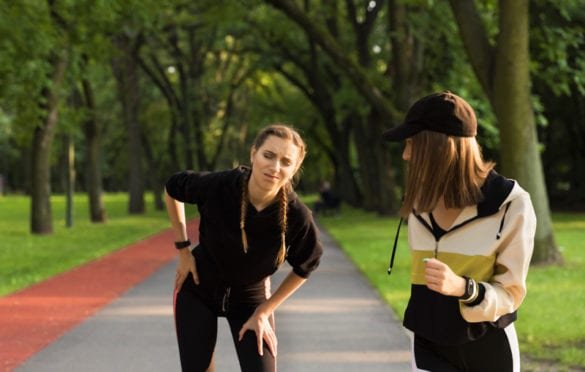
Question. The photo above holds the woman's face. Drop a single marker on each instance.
(406, 153)
(274, 163)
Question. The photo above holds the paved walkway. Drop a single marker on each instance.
(335, 322)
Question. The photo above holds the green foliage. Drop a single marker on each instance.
(446, 65)
(557, 41)
(243, 49)
(27, 37)
(550, 322)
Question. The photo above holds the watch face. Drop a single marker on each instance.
(469, 289)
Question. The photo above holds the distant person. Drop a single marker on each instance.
(328, 201)
(251, 221)
(471, 234)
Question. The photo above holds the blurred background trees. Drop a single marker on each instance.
(117, 95)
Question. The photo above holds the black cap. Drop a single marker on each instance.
(439, 112)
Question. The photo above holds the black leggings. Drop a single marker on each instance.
(196, 314)
(496, 351)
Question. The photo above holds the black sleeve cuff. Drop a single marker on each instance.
(300, 272)
(480, 296)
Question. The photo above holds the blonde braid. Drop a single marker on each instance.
(283, 222)
(243, 210)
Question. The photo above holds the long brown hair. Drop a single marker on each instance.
(447, 166)
(287, 133)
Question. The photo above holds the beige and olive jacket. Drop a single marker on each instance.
(491, 242)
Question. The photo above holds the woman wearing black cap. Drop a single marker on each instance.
(251, 221)
(471, 234)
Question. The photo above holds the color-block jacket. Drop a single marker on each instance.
(491, 242)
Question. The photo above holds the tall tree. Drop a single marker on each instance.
(300, 61)
(377, 177)
(175, 47)
(92, 130)
(41, 215)
(193, 59)
(126, 70)
(503, 70)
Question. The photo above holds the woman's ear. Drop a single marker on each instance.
(252, 154)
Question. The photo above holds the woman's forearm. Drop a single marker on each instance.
(176, 212)
(289, 285)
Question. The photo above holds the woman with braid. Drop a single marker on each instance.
(251, 221)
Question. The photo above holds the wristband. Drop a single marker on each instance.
(183, 244)
(471, 290)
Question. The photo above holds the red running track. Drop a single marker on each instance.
(36, 316)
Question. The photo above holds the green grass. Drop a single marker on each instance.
(26, 259)
(551, 322)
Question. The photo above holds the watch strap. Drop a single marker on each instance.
(183, 244)
(471, 290)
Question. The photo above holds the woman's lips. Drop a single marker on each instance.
(270, 177)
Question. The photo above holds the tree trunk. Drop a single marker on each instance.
(375, 166)
(477, 45)
(156, 180)
(69, 148)
(187, 119)
(197, 119)
(93, 169)
(345, 181)
(375, 174)
(126, 69)
(196, 93)
(406, 64)
(41, 221)
(576, 128)
(318, 92)
(513, 107)
(504, 73)
(155, 71)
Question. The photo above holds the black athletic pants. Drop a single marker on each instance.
(197, 309)
(495, 351)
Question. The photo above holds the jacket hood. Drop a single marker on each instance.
(497, 190)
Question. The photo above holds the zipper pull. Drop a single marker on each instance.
(436, 248)
(225, 300)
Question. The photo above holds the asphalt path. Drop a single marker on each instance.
(335, 322)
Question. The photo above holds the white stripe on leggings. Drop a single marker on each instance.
(412, 361)
(514, 348)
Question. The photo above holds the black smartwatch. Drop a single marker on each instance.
(183, 244)
(471, 290)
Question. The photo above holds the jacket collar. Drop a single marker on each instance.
(496, 190)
